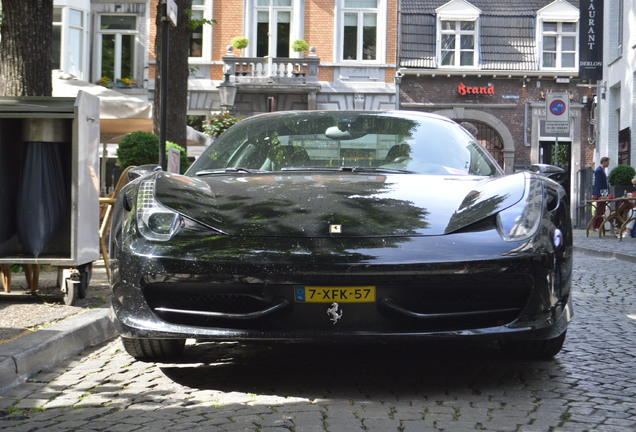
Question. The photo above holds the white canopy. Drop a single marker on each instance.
(112, 104)
(120, 113)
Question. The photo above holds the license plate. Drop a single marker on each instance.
(338, 294)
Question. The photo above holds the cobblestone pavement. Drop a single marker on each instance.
(591, 386)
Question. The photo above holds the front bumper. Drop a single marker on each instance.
(430, 287)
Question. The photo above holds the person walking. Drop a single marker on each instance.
(600, 188)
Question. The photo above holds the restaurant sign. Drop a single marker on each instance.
(591, 40)
(463, 89)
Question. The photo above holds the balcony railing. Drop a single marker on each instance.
(281, 70)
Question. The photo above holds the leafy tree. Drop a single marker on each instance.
(25, 48)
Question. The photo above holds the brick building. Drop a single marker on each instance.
(493, 64)
(351, 63)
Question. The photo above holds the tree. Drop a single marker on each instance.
(178, 71)
(25, 48)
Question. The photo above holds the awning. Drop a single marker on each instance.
(120, 113)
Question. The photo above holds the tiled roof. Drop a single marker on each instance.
(495, 7)
(507, 33)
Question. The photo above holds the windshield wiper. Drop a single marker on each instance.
(228, 170)
(381, 170)
(350, 169)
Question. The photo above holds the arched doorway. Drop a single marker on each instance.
(491, 130)
(489, 138)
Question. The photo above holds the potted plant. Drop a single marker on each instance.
(620, 178)
(239, 42)
(300, 45)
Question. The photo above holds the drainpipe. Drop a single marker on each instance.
(525, 124)
(398, 53)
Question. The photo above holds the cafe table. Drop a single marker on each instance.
(617, 215)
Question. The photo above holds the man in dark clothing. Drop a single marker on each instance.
(600, 184)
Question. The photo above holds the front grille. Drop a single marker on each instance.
(458, 301)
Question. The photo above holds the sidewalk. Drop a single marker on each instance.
(29, 344)
(607, 246)
(39, 331)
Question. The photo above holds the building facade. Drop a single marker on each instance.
(494, 65)
(351, 62)
(617, 91)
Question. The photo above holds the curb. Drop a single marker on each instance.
(605, 254)
(24, 357)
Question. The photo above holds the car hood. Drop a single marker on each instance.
(337, 204)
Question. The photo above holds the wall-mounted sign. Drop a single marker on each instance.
(591, 40)
(557, 113)
(463, 89)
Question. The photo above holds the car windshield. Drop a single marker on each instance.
(393, 142)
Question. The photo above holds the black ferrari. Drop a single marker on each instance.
(332, 226)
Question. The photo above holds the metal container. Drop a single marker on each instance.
(73, 124)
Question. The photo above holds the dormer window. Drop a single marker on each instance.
(458, 43)
(557, 36)
(559, 45)
(458, 34)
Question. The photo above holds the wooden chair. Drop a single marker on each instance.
(106, 210)
(31, 273)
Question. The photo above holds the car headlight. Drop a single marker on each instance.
(155, 222)
(522, 220)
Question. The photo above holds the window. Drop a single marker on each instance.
(457, 35)
(359, 38)
(559, 45)
(56, 55)
(69, 31)
(117, 34)
(457, 47)
(273, 27)
(201, 38)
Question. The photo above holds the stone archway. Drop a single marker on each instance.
(492, 121)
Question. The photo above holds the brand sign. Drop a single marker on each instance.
(591, 40)
(463, 89)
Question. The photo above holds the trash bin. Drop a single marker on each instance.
(49, 185)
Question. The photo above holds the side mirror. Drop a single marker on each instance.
(552, 172)
(142, 170)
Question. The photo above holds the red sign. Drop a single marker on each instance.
(463, 89)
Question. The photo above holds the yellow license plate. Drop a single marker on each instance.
(338, 294)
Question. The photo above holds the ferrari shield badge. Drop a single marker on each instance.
(334, 313)
(335, 229)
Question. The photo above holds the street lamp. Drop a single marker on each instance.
(227, 93)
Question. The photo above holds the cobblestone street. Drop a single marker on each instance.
(591, 386)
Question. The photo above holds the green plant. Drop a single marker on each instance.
(621, 175)
(219, 123)
(105, 82)
(299, 45)
(195, 24)
(239, 42)
(138, 148)
(141, 148)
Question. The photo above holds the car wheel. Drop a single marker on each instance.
(542, 349)
(153, 349)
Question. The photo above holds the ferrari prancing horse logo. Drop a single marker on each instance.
(334, 313)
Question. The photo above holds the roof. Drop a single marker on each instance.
(488, 7)
(507, 33)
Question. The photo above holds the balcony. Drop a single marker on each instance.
(281, 70)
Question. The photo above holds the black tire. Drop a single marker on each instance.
(71, 294)
(86, 272)
(153, 349)
(541, 349)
